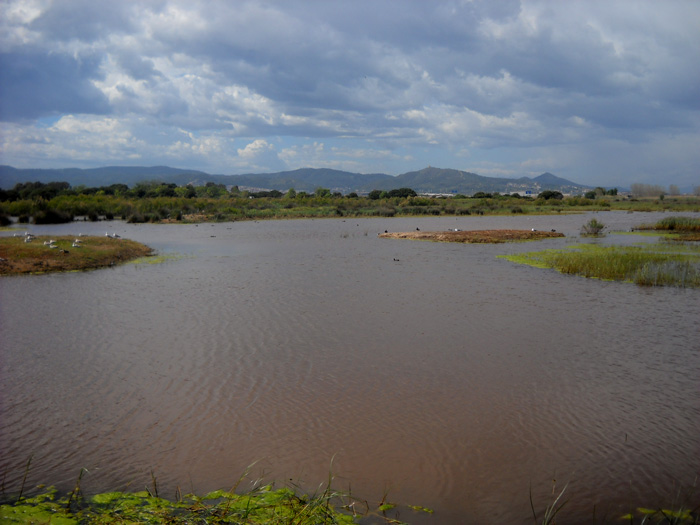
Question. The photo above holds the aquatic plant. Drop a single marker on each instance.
(551, 510)
(261, 504)
(649, 264)
(685, 228)
(682, 516)
(264, 504)
(592, 228)
(676, 224)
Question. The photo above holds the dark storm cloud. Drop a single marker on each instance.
(36, 84)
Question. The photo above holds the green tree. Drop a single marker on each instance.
(549, 194)
(403, 193)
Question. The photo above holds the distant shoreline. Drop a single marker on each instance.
(474, 236)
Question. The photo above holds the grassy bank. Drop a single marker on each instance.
(65, 253)
(658, 264)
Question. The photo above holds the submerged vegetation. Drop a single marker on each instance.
(658, 264)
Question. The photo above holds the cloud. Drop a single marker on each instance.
(254, 149)
(295, 83)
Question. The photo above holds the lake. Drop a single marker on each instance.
(437, 373)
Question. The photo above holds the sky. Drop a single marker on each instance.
(599, 92)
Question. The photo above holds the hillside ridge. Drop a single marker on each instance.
(426, 180)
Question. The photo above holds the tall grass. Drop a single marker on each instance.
(649, 265)
(687, 224)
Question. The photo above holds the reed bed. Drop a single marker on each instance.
(649, 265)
(683, 228)
(676, 224)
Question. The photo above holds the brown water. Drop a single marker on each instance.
(449, 378)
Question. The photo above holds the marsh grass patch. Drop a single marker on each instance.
(652, 264)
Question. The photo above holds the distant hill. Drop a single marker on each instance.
(308, 179)
(94, 177)
(438, 180)
(428, 180)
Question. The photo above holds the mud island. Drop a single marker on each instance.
(474, 236)
(43, 254)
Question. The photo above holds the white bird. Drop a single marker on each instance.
(76, 245)
(52, 246)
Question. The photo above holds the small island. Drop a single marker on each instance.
(474, 236)
(26, 254)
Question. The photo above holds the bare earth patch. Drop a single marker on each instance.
(474, 236)
(20, 257)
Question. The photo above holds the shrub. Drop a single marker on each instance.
(52, 217)
(549, 194)
(386, 211)
(136, 218)
(593, 228)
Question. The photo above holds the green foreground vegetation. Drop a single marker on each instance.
(160, 202)
(263, 504)
(266, 505)
(671, 262)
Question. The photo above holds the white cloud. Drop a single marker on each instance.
(430, 81)
(254, 149)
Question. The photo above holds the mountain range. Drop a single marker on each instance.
(427, 180)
